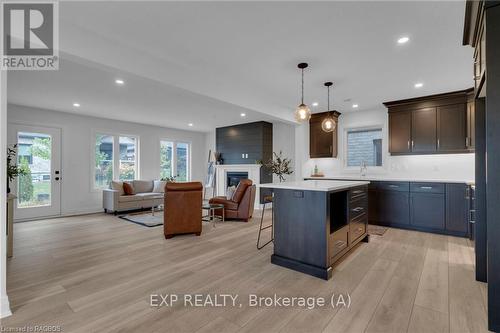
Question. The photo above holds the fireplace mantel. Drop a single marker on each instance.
(221, 177)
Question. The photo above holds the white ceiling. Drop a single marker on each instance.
(207, 62)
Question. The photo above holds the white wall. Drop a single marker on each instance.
(78, 196)
(4, 300)
(446, 166)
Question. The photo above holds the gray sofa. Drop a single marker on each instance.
(148, 193)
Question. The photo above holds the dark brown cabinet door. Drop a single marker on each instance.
(320, 142)
(452, 127)
(399, 132)
(471, 125)
(424, 130)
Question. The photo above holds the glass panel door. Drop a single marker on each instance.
(38, 157)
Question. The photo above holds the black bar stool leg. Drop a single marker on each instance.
(266, 227)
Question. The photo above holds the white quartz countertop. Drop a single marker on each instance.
(389, 178)
(316, 185)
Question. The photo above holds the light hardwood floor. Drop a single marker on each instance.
(95, 273)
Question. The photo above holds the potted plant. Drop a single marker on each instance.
(13, 171)
(279, 165)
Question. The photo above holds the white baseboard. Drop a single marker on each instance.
(66, 214)
(4, 307)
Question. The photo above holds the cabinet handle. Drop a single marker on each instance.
(339, 243)
(360, 229)
(412, 144)
(438, 144)
(357, 209)
(426, 187)
(393, 186)
(408, 144)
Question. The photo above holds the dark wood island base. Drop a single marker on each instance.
(316, 225)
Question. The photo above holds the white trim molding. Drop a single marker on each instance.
(4, 299)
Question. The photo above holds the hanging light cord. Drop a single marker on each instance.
(302, 101)
(328, 98)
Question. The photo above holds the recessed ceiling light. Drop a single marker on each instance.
(315, 104)
(419, 85)
(190, 124)
(355, 106)
(76, 105)
(403, 40)
(119, 82)
(243, 114)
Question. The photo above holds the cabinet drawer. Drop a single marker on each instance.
(394, 186)
(358, 208)
(338, 243)
(358, 193)
(427, 187)
(357, 229)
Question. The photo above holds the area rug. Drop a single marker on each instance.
(145, 218)
(376, 230)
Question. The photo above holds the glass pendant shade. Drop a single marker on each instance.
(302, 113)
(328, 124)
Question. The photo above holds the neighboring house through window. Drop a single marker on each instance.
(364, 145)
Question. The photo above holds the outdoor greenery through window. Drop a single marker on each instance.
(108, 165)
(127, 158)
(364, 145)
(166, 157)
(103, 160)
(174, 160)
(34, 158)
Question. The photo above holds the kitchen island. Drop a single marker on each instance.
(317, 222)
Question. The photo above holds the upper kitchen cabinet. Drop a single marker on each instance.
(437, 124)
(321, 143)
(423, 130)
(400, 132)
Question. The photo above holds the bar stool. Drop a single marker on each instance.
(268, 199)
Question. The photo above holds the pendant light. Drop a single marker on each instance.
(328, 124)
(302, 113)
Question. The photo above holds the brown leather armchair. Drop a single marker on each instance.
(240, 206)
(182, 209)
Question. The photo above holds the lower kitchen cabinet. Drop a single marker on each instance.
(427, 210)
(394, 207)
(433, 207)
(457, 209)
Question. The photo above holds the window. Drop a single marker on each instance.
(109, 165)
(182, 161)
(364, 145)
(127, 158)
(166, 157)
(174, 160)
(103, 160)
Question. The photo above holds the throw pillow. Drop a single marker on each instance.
(159, 186)
(128, 189)
(117, 186)
(230, 192)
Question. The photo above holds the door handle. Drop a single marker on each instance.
(57, 178)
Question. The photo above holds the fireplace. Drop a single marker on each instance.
(233, 178)
(231, 174)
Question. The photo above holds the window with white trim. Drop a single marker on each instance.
(175, 160)
(115, 157)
